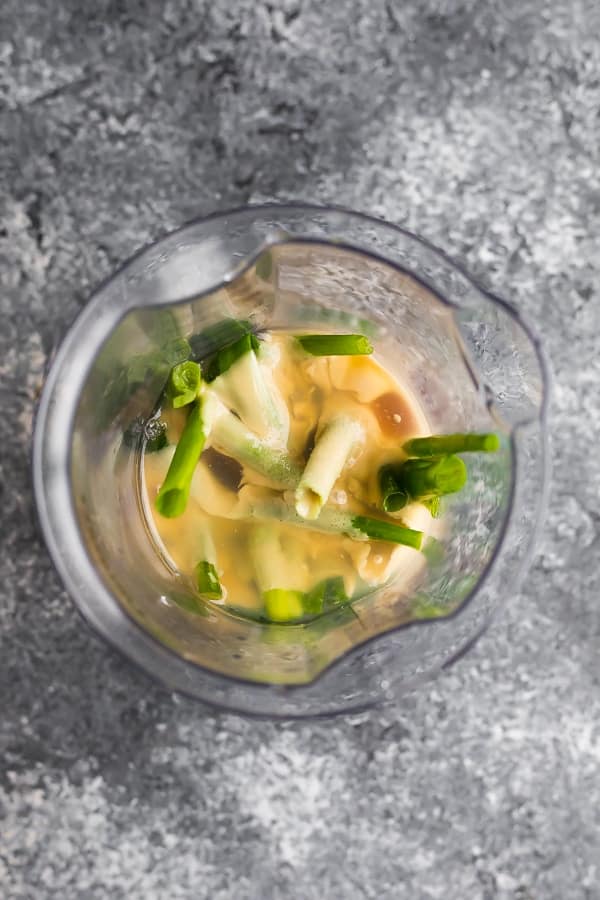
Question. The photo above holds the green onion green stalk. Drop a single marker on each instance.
(333, 521)
(420, 480)
(335, 344)
(174, 492)
(444, 444)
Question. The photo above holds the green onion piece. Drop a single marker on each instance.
(335, 344)
(378, 530)
(326, 595)
(231, 437)
(423, 479)
(207, 581)
(325, 464)
(441, 444)
(225, 358)
(184, 383)
(282, 605)
(246, 390)
(332, 521)
(173, 495)
(393, 496)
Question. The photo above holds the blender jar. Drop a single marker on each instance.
(467, 357)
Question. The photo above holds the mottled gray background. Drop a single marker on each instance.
(474, 123)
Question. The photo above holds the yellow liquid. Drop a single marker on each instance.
(314, 389)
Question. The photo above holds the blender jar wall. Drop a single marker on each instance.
(359, 276)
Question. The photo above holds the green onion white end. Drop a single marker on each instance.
(325, 465)
(247, 388)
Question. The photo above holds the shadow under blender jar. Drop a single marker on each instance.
(466, 356)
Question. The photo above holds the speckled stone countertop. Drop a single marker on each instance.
(474, 123)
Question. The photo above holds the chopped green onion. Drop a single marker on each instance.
(230, 436)
(207, 581)
(441, 444)
(248, 391)
(332, 521)
(394, 497)
(335, 344)
(325, 464)
(421, 480)
(184, 383)
(173, 495)
(282, 605)
(378, 530)
(225, 358)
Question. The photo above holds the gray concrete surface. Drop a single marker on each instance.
(474, 123)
